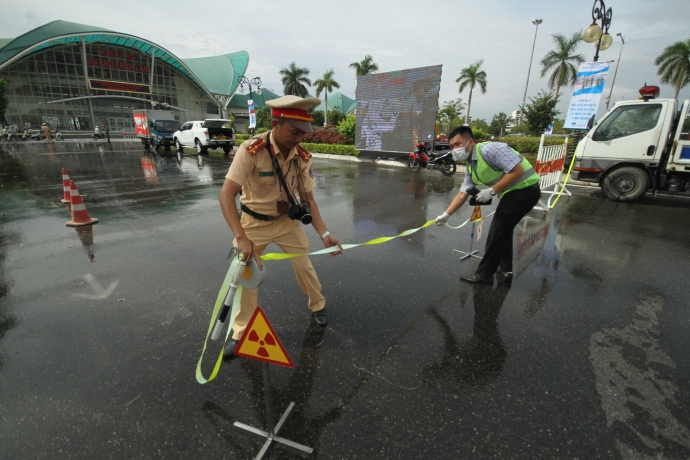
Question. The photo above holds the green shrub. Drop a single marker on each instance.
(333, 149)
(242, 137)
(529, 145)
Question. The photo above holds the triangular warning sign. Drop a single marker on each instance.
(476, 214)
(261, 342)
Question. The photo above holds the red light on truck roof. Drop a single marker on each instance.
(649, 92)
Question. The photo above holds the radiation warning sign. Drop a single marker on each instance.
(261, 342)
(476, 214)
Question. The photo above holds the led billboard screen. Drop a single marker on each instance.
(397, 109)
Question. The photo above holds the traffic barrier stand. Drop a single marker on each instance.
(80, 216)
(476, 217)
(66, 195)
(549, 166)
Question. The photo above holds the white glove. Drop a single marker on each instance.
(484, 195)
(442, 219)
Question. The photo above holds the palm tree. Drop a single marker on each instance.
(563, 60)
(471, 76)
(674, 65)
(294, 79)
(326, 83)
(365, 66)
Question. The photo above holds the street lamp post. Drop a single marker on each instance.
(599, 33)
(536, 22)
(608, 100)
(256, 82)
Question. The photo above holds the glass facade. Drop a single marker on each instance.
(57, 73)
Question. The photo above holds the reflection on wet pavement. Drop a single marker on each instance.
(584, 356)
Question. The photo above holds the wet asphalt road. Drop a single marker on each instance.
(585, 356)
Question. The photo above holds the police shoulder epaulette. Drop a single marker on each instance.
(256, 146)
(303, 153)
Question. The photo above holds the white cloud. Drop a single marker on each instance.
(400, 34)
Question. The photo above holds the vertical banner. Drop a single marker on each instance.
(589, 86)
(252, 114)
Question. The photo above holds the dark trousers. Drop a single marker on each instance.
(499, 243)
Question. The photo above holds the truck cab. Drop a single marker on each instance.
(155, 128)
(637, 146)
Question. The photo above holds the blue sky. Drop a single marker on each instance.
(399, 34)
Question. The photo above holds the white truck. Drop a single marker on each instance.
(206, 134)
(637, 146)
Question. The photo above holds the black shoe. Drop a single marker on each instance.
(229, 350)
(477, 280)
(320, 317)
(504, 277)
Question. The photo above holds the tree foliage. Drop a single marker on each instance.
(263, 118)
(674, 66)
(541, 111)
(448, 117)
(365, 66)
(294, 80)
(469, 78)
(347, 127)
(562, 60)
(498, 124)
(326, 84)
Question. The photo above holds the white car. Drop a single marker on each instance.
(204, 135)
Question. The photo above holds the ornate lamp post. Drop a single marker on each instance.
(599, 33)
(256, 82)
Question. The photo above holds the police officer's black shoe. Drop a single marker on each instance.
(229, 350)
(504, 277)
(320, 317)
(477, 280)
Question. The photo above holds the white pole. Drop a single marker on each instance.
(536, 22)
(608, 100)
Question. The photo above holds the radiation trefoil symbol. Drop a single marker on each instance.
(269, 348)
(268, 340)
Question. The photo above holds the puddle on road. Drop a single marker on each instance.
(637, 395)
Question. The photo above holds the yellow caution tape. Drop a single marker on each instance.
(277, 256)
(385, 239)
(565, 182)
(230, 320)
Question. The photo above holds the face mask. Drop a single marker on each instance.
(460, 154)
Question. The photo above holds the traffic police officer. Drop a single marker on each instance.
(511, 178)
(266, 203)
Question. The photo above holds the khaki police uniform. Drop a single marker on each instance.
(46, 133)
(253, 170)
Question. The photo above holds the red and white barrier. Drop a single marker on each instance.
(549, 166)
(80, 216)
(66, 194)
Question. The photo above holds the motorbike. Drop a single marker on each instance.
(97, 136)
(425, 158)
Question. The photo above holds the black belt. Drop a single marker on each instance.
(256, 215)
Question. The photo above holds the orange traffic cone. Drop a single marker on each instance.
(66, 195)
(80, 216)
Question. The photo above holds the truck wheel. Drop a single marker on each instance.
(178, 146)
(626, 184)
(200, 149)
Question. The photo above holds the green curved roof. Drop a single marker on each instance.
(343, 103)
(220, 74)
(240, 100)
(61, 32)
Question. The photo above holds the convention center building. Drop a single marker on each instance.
(75, 76)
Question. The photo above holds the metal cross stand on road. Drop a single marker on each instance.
(260, 342)
(476, 217)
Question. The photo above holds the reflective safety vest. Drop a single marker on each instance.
(485, 174)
